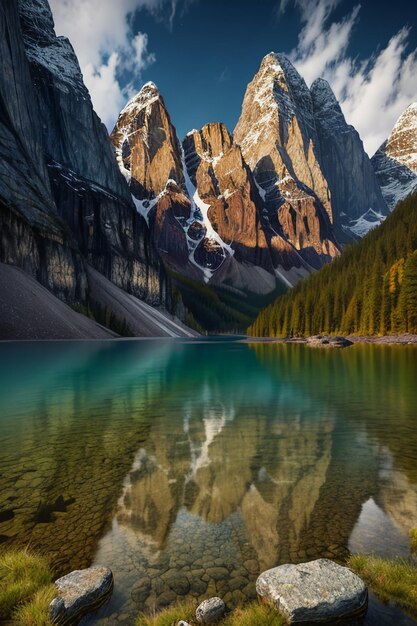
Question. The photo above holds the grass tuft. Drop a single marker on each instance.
(22, 575)
(413, 539)
(252, 614)
(169, 616)
(394, 580)
(36, 612)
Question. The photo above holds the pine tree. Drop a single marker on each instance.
(370, 289)
(408, 306)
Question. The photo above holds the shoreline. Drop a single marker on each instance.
(404, 339)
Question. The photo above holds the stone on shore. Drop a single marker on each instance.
(210, 611)
(328, 341)
(315, 592)
(80, 592)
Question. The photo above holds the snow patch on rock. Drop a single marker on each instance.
(201, 215)
(365, 223)
(395, 163)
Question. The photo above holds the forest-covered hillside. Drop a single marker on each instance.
(371, 289)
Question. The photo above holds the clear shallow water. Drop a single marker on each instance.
(189, 467)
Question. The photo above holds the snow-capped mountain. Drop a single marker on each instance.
(395, 163)
(199, 197)
(248, 211)
(273, 201)
(277, 131)
(277, 134)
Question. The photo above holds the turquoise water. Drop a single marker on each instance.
(189, 467)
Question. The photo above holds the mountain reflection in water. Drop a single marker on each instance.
(189, 467)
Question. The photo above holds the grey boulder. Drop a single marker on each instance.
(210, 611)
(80, 592)
(315, 592)
(328, 341)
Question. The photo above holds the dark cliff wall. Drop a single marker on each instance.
(63, 199)
(347, 167)
(33, 236)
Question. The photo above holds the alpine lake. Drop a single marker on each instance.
(190, 466)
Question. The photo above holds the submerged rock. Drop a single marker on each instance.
(210, 611)
(315, 592)
(80, 592)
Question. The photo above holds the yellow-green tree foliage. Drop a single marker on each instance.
(371, 289)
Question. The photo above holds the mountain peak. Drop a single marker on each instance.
(277, 64)
(276, 97)
(146, 146)
(395, 162)
(148, 94)
(149, 87)
(271, 59)
(276, 60)
(407, 122)
(402, 142)
(320, 87)
(324, 99)
(277, 75)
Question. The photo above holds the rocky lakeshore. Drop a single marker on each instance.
(338, 341)
(319, 591)
(404, 339)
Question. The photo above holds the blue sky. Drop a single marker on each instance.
(203, 53)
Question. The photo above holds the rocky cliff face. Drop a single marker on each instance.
(277, 135)
(395, 163)
(146, 144)
(272, 202)
(277, 123)
(357, 201)
(205, 208)
(33, 236)
(230, 210)
(149, 156)
(199, 198)
(60, 204)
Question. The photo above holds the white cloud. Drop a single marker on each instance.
(142, 57)
(374, 92)
(106, 46)
(104, 88)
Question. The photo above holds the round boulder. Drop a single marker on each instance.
(319, 591)
(210, 611)
(328, 341)
(80, 592)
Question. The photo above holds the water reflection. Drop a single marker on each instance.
(72, 417)
(190, 467)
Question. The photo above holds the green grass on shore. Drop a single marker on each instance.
(26, 591)
(394, 580)
(25, 588)
(170, 615)
(36, 611)
(252, 614)
(413, 539)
